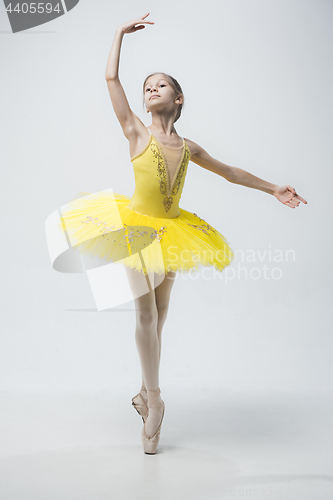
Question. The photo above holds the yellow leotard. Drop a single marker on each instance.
(150, 226)
(157, 192)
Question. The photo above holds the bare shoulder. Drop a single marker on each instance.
(200, 156)
(197, 151)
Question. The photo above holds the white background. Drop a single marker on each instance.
(257, 80)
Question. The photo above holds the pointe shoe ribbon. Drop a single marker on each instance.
(141, 406)
(150, 443)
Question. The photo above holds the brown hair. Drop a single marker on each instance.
(174, 84)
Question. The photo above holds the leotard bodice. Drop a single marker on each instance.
(157, 193)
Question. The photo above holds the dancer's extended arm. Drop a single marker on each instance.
(285, 194)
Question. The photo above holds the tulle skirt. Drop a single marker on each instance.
(101, 225)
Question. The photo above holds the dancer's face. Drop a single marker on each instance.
(157, 85)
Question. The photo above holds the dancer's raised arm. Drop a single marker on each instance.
(126, 117)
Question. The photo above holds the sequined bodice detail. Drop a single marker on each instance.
(157, 193)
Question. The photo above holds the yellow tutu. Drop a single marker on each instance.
(102, 225)
(149, 231)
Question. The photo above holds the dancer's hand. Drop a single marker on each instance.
(288, 196)
(130, 27)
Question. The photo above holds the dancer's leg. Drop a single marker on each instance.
(162, 299)
(146, 327)
(146, 342)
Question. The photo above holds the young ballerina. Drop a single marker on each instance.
(180, 240)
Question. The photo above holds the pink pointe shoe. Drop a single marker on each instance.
(150, 443)
(140, 404)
